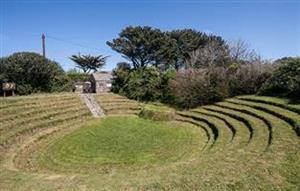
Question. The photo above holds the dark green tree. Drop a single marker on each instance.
(144, 46)
(30, 71)
(196, 49)
(285, 80)
(89, 63)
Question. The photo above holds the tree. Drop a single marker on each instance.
(89, 63)
(285, 80)
(196, 49)
(240, 52)
(30, 71)
(123, 66)
(187, 41)
(144, 46)
(214, 53)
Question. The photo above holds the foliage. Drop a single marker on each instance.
(30, 71)
(143, 84)
(214, 53)
(61, 83)
(285, 81)
(89, 63)
(248, 78)
(143, 46)
(196, 49)
(146, 46)
(149, 84)
(240, 52)
(191, 88)
(77, 76)
(121, 73)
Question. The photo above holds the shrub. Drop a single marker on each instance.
(149, 84)
(121, 74)
(248, 78)
(143, 84)
(24, 89)
(285, 81)
(30, 71)
(191, 88)
(76, 76)
(61, 83)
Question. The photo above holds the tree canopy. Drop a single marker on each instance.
(146, 46)
(30, 71)
(89, 63)
(143, 46)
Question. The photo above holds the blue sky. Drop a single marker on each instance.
(272, 27)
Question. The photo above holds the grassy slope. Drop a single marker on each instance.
(250, 142)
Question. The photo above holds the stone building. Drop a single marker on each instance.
(101, 82)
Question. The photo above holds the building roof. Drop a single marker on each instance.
(98, 76)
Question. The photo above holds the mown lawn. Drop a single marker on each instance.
(122, 141)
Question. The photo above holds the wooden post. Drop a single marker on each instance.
(44, 45)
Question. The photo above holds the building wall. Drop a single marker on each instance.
(102, 86)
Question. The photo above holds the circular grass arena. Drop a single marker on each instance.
(121, 142)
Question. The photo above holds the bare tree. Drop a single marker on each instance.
(240, 51)
(209, 55)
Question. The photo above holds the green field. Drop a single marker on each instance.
(51, 142)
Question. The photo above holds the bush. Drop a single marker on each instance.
(143, 85)
(191, 88)
(76, 76)
(248, 78)
(30, 71)
(121, 74)
(24, 89)
(61, 83)
(149, 84)
(285, 81)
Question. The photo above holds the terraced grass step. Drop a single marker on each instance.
(260, 138)
(112, 103)
(283, 103)
(220, 133)
(198, 124)
(38, 103)
(30, 101)
(8, 137)
(16, 113)
(117, 107)
(122, 112)
(248, 111)
(45, 114)
(226, 122)
(235, 116)
(32, 143)
(288, 116)
(240, 134)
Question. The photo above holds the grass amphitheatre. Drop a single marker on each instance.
(110, 103)
(52, 142)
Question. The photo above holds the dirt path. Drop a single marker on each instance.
(93, 106)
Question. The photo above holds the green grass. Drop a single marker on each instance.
(122, 141)
(114, 104)
(50, 142)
